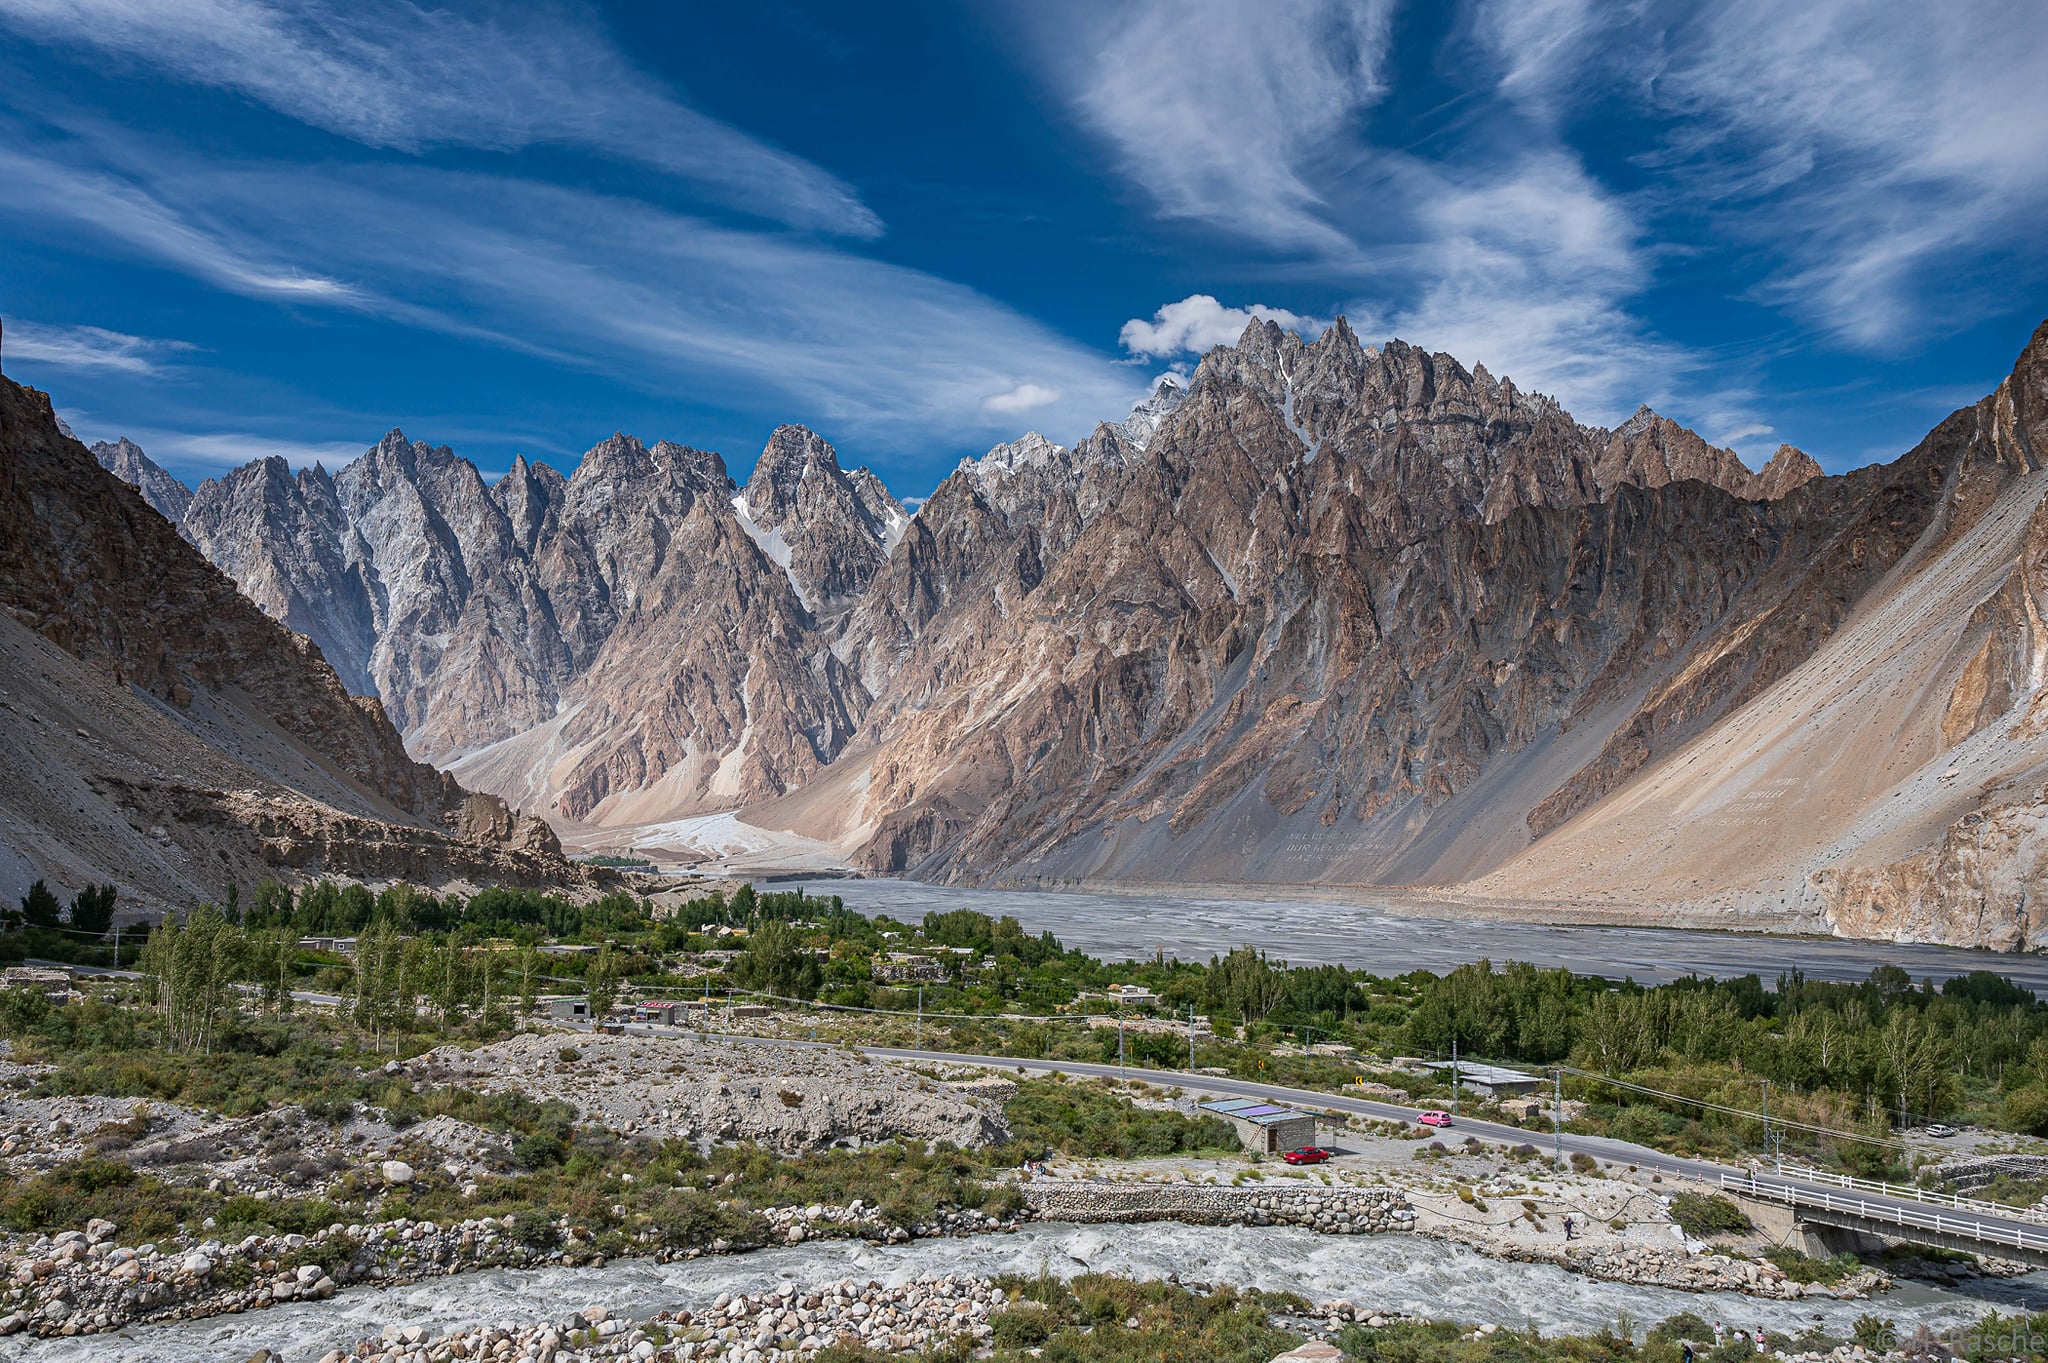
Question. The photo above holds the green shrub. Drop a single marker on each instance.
(1683, 1326)
(1802, 1268)
(1022, 1325)
(1701, 1215)
(1094, 1119)
(535, 1230)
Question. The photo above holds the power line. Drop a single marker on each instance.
(1708, 1104)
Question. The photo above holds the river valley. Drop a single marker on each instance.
(1412, 1274)
(1119, 927)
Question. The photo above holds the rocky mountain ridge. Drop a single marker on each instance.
(164, 733)
(1322, 612)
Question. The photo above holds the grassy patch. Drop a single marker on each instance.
(1091, 1118)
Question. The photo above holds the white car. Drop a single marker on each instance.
(1941, 1132)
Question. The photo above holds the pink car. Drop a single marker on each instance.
(1433, 1118)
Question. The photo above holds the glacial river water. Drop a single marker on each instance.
(1404, 1272)
(1120, 927)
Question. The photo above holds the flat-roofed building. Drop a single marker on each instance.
(1266, 1127)
(1489, 1081)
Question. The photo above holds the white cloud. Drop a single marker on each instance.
(87, 348)
(231, 449)
(1025, 397)
(1500, 249)
(1741, 433)
(107, 204)
(1528, 269)
(1198, 323)
(1869, 151)
(1224, 112)
(393, 74)
(650, 296)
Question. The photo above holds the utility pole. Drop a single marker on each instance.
(1191, 1038)
(1119, 1041)
(1767, 1118)
(920, 1019)
(1557, 1117)
(1454, 1076)
(117, 946)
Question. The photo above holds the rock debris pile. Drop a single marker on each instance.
(775, 1327)
(789, 1098)
(1336, 1211)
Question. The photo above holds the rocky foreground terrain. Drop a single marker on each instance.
(1329, 613)
(160, 732)
(789, 1098)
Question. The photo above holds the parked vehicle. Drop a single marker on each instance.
(1308, 1154)
(1940, 1131)
(1433, 1118)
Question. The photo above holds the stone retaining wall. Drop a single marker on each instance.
(1338, 1211)
(1975, 1173)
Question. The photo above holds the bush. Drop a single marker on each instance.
(539, 1151)
(1091, 1118)
(1802, 1268)
(1701, 1215)
(1584, 1163)
(1022, 1326)
(1683, 1326)
(535, 1230)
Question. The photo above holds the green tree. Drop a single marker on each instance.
(195, 967)
(528, 966)
(602, 983)
(93, 910)
(776, 962)
(1245, 983)
(39, 907)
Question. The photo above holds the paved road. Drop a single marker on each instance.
(1764, 1184)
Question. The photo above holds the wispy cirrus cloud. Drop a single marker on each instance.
(1225, 113)
(1864, 149)
(608, 283)
(401, 76)
(1257, 122)
(105, 202)
(89, 348)
(225, 449)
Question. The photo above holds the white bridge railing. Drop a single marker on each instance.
(1908, 1191)
(1991, 1231)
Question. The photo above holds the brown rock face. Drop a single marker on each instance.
(634, 632)
(830, 531)
(1329, 613)
(105, 606)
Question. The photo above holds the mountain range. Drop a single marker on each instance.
(1322, 613)
(159, 732)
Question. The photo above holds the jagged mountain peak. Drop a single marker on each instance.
(1169, 391)
(792, 455)
(125, 460)
(1028, 451)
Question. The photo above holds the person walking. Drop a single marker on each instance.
(1761, 1346)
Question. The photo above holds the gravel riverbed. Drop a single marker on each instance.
(1403, 1274)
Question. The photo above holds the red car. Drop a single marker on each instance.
(1433, 1118)
(1308, 1154)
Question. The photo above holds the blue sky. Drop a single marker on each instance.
(231, 228)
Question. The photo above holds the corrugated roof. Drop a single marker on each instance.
(1255, 1111)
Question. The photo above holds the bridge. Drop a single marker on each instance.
(1890, 1211)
